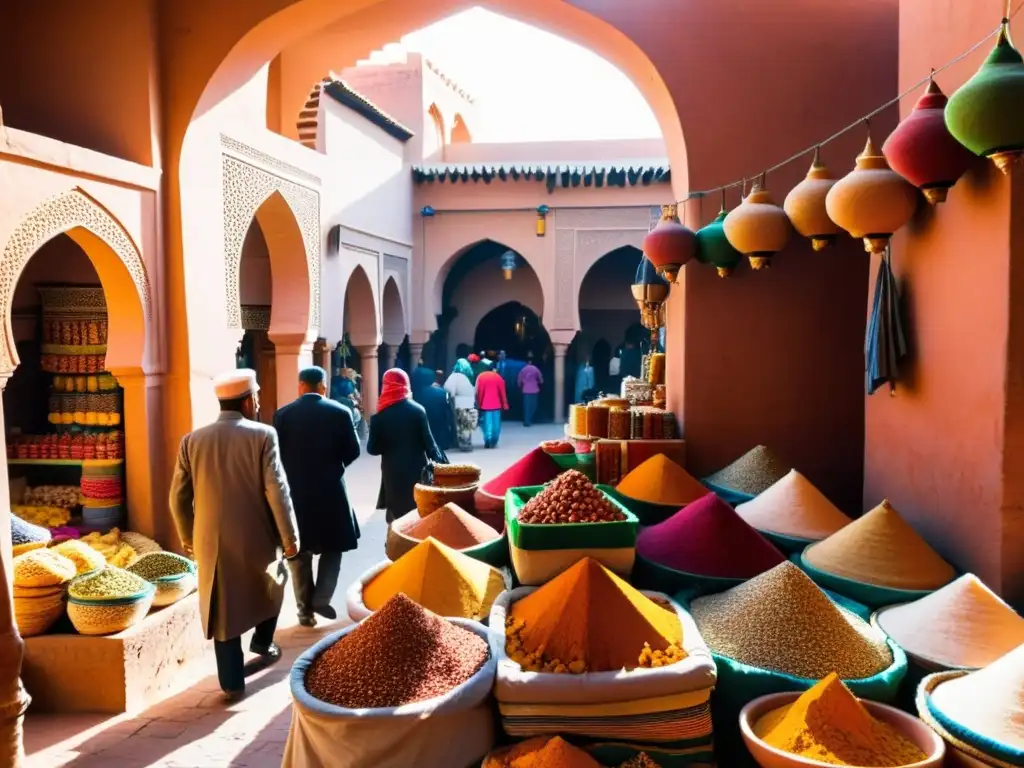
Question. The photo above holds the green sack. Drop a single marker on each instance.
(532, 536)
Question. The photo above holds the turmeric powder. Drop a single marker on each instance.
(544, 752)
(828, 724)
(659, 480)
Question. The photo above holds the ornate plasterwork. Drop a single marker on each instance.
(565, 278)
(246, 188)
(262, 158)
(255, 317)
(57, 215)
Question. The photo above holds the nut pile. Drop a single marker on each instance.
(66, 496)
(401, 654)
(571, 498)
(158, 565)
(109, 584)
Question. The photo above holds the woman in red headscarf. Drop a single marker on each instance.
(400, 435)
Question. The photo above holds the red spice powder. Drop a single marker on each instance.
(708, 538)
(535, 468)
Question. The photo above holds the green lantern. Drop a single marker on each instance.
(713, 247)
(985, 114)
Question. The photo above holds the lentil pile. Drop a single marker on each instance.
(782, 621)
(84, 557)
(828, 724)
(587, 619)
(453, 526)
(794, 507)
(659, 480)
(42, 568)
(571, 498)
(752, 473)
(881, 548)
(109, 584)
(440, 579)
(158, 565)
(401, 654)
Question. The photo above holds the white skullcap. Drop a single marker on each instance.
(236, 384)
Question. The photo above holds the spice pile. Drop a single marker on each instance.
(558, 447)
(117, 552)
(159, 565)
(543, 752)
(964, 624)
(659, 480)
(535, 468)
(881, 548)
(400, 655)
(109, 584)
(589, 620)
(571, 498)
(828, 724)
(26, 536)
(85, 558)
(794, 507)
(708, 538)
(752, 473)
(782, 621)
(440, 579)
(452, 526)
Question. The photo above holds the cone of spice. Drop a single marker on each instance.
(883, 550)
(827, 723)
(541, 752)
(794, 507)
(782, 621)
(440, 579)
(659, 480)
(708, 538)
(752, 473)
(402, 654)
(452, 526)
(989, 703)
(587, 619)
(964, 624)
(535, 468)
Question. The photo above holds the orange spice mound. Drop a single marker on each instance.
(452, 526)
(659, 480)
(589, 616)
(543, 752)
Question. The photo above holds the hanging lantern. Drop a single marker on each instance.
(757, 227)
(508, 264)
(650, 291)
(805, 205)
(542, 223)
(670, 245)
(872, 201)
(985, 114)
(713, 246)
(924, 152)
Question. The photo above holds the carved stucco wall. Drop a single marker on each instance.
(248, 181)
(582, 236)
(59, 214)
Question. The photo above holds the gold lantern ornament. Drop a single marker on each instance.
(872, 201)
(805, 205)
(757, 227)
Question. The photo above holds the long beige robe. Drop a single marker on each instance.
(231, 505)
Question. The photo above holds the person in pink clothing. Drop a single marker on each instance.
(491, 400)
(530, 380)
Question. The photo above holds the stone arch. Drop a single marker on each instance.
(285, 206)
(361, 310)
(597, 270)
(392, 310)
(113, 254)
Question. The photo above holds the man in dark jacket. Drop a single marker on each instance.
(440, 408)
(318, 441)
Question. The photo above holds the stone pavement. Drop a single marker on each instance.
(196, 728)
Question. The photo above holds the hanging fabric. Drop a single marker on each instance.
(885, 345)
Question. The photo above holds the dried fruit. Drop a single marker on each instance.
(571, 498)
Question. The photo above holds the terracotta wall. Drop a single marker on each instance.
(947, 449)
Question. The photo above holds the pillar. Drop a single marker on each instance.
(390, 355)
(322, 357)
(415, 353)
(368, 358)
(560, 350)
(13, 698)
(292, 353)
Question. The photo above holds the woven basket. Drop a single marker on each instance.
(171, 589)
(456, 475)
(108, 617)
(430, 498)
(35, 615)
(964, 753)
(38, 592)
(143, 545)
(20, 549)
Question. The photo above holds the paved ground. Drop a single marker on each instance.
(196, 728)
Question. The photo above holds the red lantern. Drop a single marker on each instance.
(670, 244)
(924, 152)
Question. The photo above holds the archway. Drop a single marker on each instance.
(607, 310)
(255, 291)
(393, 325)
(362, 334)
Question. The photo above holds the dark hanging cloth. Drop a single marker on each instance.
(885, 346)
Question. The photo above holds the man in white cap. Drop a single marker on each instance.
(232, 508)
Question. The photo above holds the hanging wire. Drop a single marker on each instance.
(1010, 14)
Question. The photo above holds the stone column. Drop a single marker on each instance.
(368, 358)
(13, 698)
(415, 353)
(292, 353)
(560, 350)
(322, 357)
(390, 355)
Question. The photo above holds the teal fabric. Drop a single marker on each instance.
(996, 749)
(566, 535)
(788, 545)
(728, 495)
(492, 552)
(660, 578)
(462, 366)
(648, 513)
(565, 461)
(866, 594)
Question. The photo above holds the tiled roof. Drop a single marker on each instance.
(621, 173)
(345, 94)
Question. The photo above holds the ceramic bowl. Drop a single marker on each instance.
(769, 757)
